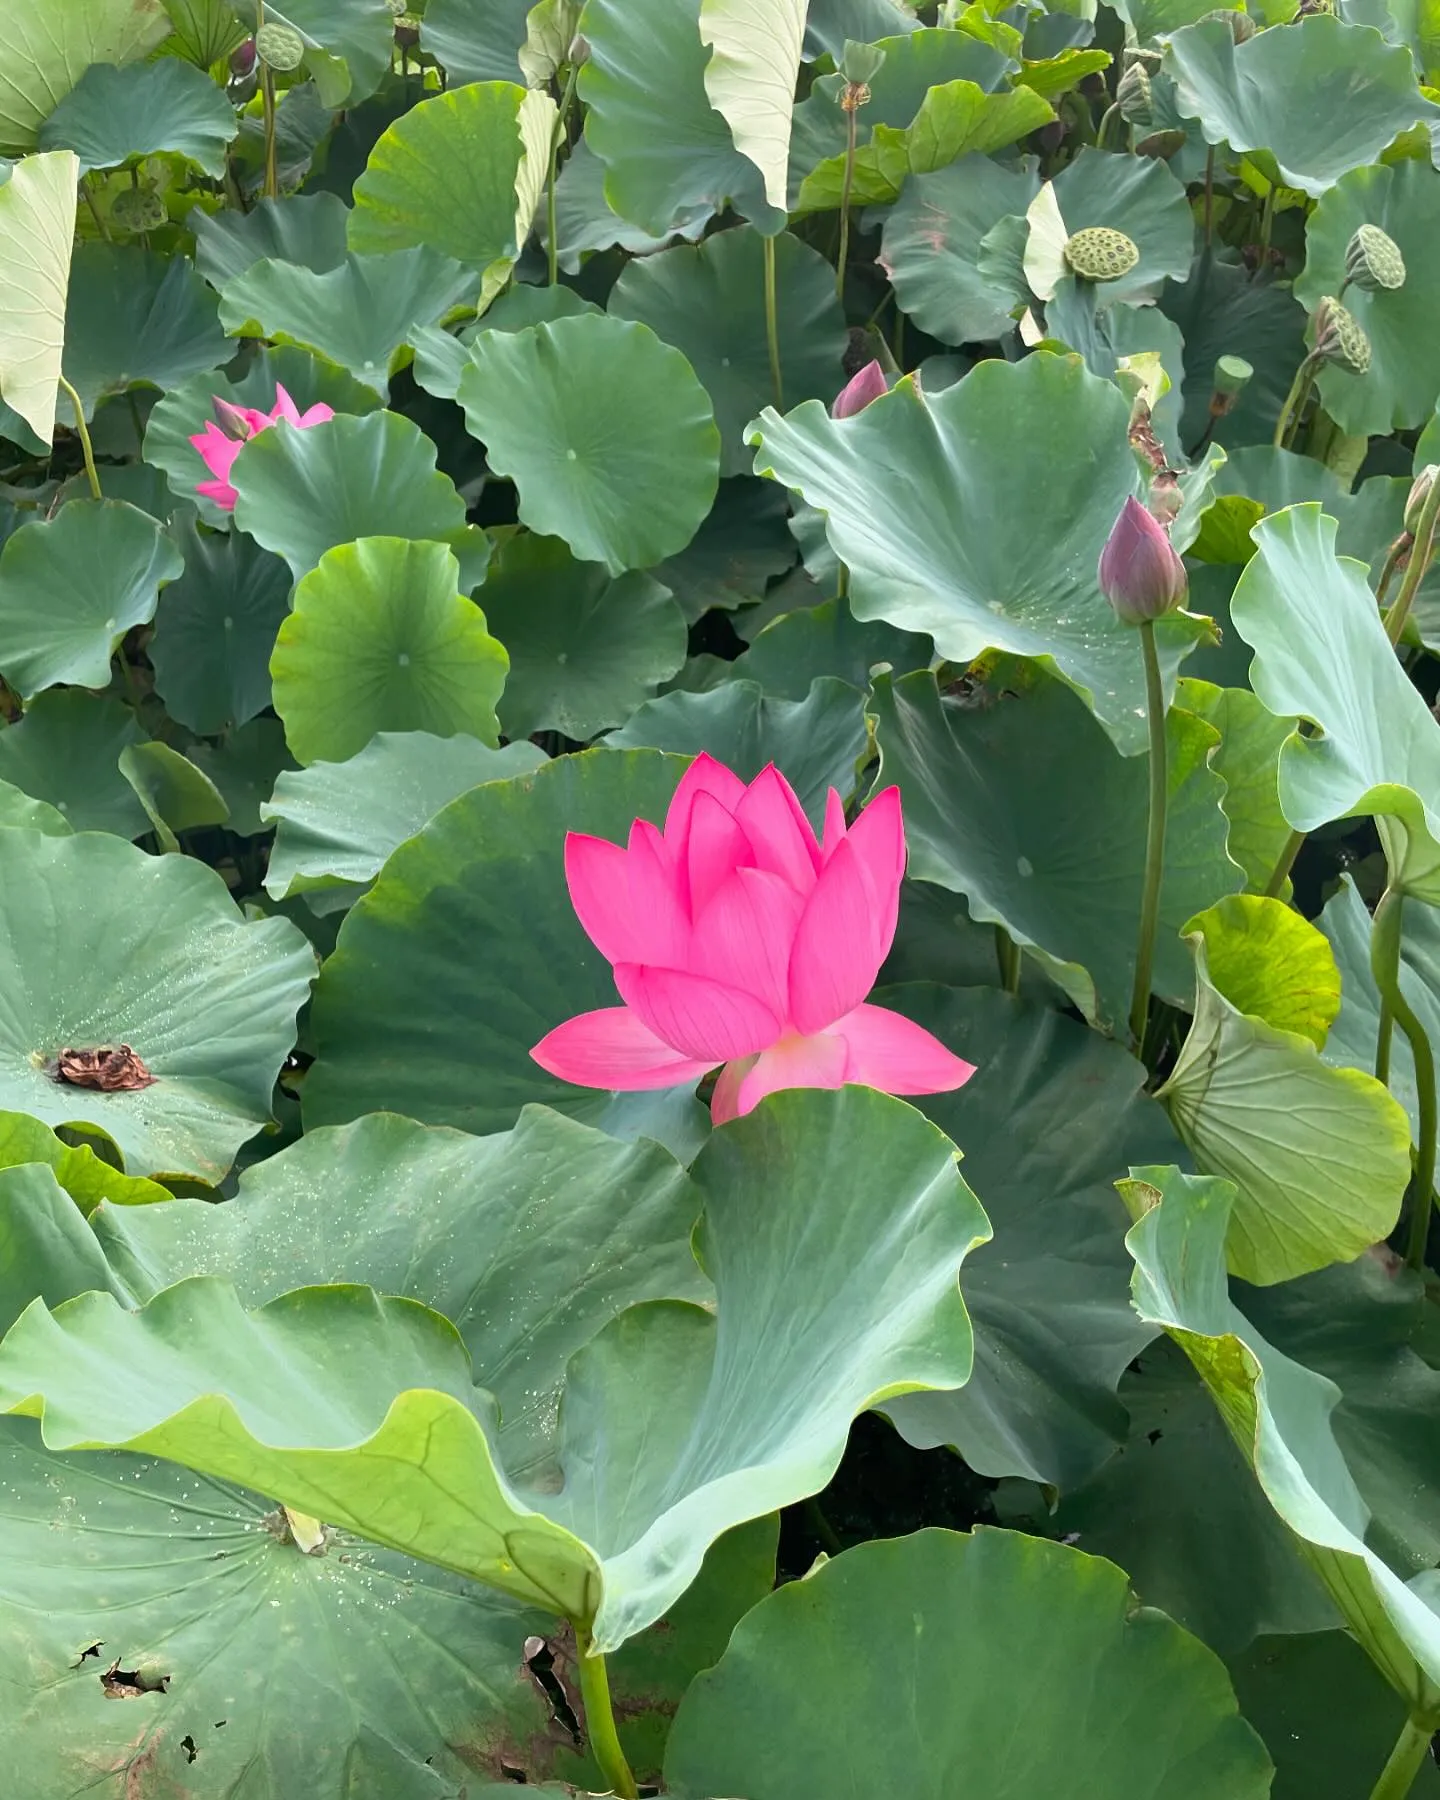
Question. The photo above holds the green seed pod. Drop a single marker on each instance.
(1231, 375)
(280, 47)
(860, 63)
(1135, 97)
(1373, 260)
(1419, 494)
(1340, 337)
(138, 209)
(1100, 253)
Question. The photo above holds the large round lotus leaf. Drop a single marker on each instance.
(666, 150)
(381, 639)
(1321, 654)
(37, 230)
(1139, 196)
(338, 822)
(1052, 1118)
(1223, 310)
(409, 1018)
(1403, 379)
(709, 301)
(604, 429)
(240, 1643)
(1278, 1413)
(215, 629)
(934, 503)
(444, 175)
(113, 114)
(585, 648)
(931, 247)
(360, 314)
(136, 318)
(1006, 803)
(1320, 96)
(304, 490)
(305, 229)
(179, 415)
(45, 49)
(585, 220)
(65, 750)
(475, 40)
(119, 947)
(1038, 1675)
(72, 586)
(817, 742)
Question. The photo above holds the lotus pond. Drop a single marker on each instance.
(719, 899)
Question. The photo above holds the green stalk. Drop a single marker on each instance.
(1405, 1762)
(1286, 862)
(1385, 938)
(1419, 562)
(1154, 835)
(1299, 393)
(772, 325)
(1209, 196)
(88, 197)
(845, 205)
(1007, 954)
(85, 445)
(557, 138)
(600, 1720)
(267, 100)
(1392, 562)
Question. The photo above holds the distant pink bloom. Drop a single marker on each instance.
(859, 391)
(738, 939)
(220, 447)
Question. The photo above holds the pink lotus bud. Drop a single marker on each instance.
(740, 940)
(235, 420)
(242, 59)
(859, 391)
(1140, 574)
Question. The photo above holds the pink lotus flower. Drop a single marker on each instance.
(859, 391)
(220, 448)
(737, 939)
(1139, 572)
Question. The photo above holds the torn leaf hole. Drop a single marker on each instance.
(547, 1670)
(130, 1684)
(86, 1654)
(187, 1744)
(107, 1068)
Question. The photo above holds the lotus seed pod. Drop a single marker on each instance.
(1135, 97)
(1373, 260)
(1099, 253)
(281, 47)
(138, 209)
(1231, 375)
(1419, 494)
(860, 63)
(397, 8)
(1340, 337)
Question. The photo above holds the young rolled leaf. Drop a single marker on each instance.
(37, 226)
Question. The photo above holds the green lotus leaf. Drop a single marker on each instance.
(46, 48)
(488, 869)
(348, 43)
(742, 544)
(179, 415)
(1006, 802)
(18, 808)
(204, 31)
(176, 795)
(1321, 654)
(906, 484)
(381, 639)
(307, 230)
(65, 752)
(81, 1180)
(1404, 376)
(585, 220)
(609, 437)
(755, 51)
(244, 766)
(1139, 197)
(1322, 97)
(1051, 1117)
(120, 947)
(475, 40)
(444, 175)
(360, 315)
(754, 1411)
(799, 647)
(825, 1676)
(523, 305)
(215, 628)
(1157, 19)
(817, 742)
(1222, 310)
(72, 586)
(708, 301)
(666, 150)
(1247, 760)
(1279, 1415)
(305, 491)
(338, 822)
(1319, 1157)
(832, 22)
(37, 226)
(585, 648)
(113, 114)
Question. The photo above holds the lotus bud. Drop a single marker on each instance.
(859, 391)
(1373, 260)
(242, 59)
(579, 51)
(1134, 96)
(1139, 573)
(860, 63)
(1099, 253)
(235, 421)
(1419, 494)
(280, 47)
(1339, 337)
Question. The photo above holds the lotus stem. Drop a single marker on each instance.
(1415, 569)
(1385, 941)
(92, 473)
(1294, 400)
(845, 187)
(562, 120)
(1007, 954)
(89, 198)
(1154, 835)
(1209, 195)
(1392, 562)
(1405, 1762)
(1280, 874)
(772, 324)
(600, 1720)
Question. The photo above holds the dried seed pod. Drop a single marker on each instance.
(1100, 253)
(1373, 260)
(1340, 337)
